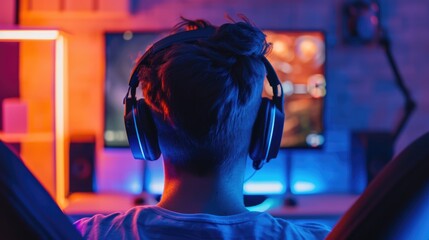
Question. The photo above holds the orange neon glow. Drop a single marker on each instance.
(60, 99)
(19, 35)
(60, 105)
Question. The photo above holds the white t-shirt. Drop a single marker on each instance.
(152, 222)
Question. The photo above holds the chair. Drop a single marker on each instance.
(396, 203)
(27, 211)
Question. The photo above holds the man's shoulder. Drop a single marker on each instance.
(292, 230)
(252, 224)
(100, 226)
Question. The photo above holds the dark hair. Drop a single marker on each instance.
(205, 94)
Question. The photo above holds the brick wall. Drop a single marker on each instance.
(408, 23)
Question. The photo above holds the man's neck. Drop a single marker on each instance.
(217, 195)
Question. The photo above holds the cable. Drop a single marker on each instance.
(251, 175)
(410, 104)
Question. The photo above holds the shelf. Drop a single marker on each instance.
(40, 69)
(26, 137)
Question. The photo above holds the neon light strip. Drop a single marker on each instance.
(59, 119)
(304, 187)
(29, 34)
(272, 187)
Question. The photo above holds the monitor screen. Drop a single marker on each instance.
(299, 61)
(297, 56)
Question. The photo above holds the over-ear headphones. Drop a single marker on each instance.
(141, 129)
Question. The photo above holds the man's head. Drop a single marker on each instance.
(204, 95)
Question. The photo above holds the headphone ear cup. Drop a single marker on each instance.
(267, 133)
(141, 131)
(148, 133)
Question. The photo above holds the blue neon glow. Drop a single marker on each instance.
(156, 187)
(304, 187)
(305, 184)
(272, 187)
(264, 206)
(248, 188)
(269, 180)
(135, 187)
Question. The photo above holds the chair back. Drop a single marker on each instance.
(27, 211)
(395, 205)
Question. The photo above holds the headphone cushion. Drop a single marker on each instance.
(267, 132)
(141, 131)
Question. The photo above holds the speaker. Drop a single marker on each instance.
(370, 152)
(82, 164)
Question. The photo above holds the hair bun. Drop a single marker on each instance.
(240, 39)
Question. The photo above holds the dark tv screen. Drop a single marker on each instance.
(297, 56)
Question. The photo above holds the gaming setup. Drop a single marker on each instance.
(290, 117)
(297, 60)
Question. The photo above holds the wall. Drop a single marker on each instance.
(9, 73)
(409, 21)
(361, 90)
(9, 61)
(8, 12)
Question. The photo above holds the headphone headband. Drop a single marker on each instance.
(273, 80)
